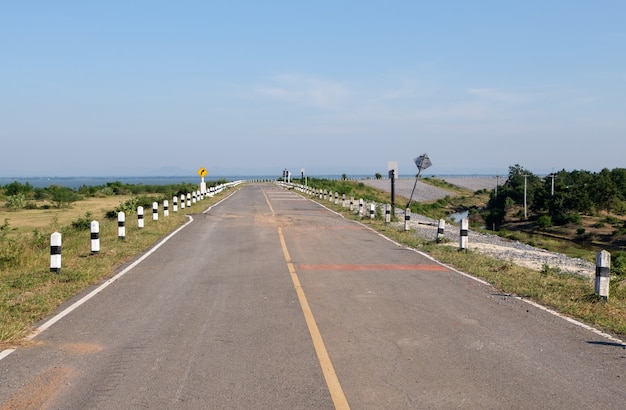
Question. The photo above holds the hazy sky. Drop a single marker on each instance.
(252, 87)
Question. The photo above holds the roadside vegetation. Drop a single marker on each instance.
(570, 294)
(29, 292)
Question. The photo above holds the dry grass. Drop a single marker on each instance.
(26, 220)
(29, 292)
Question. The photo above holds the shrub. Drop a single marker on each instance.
(618, 263)
(129, 207)
(544, 221)
(16, 201)
(83, 223)
(62, 196)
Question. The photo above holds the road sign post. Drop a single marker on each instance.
(202, 172)
(422, 162)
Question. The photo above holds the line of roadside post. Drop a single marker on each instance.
(186, 201)
(603, 258)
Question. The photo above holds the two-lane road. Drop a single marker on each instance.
(269, 300)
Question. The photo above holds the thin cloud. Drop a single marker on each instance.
(502, 96)
(306, 90)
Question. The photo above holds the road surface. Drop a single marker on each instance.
(270, 301)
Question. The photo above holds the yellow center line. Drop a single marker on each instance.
(334, 387)
(268, 201)
(332, 381)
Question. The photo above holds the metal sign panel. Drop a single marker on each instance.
(422, 162)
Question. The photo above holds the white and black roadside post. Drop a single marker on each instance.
(121, 229)
(351, 203)
(464, 233)
(387, 213)
(140, 217)
(361, 209)
(182, 202)
(193, 197)
(188, 199)
(441, 230)
(407, 219)
(166, 207)
(175, 203)
(95, 237)
(55, 252)
(343, 200)
(155, 211)
(603, 268)
(372, 210)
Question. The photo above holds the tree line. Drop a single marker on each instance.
(19, 195)
(559, 198)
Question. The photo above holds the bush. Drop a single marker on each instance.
(16, 201)
(63, 196)
(83, 223)
(544, 221)
(618, 263)
(129, 207)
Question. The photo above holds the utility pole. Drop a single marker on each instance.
(497, 183)
(552, 176)
(525, 191)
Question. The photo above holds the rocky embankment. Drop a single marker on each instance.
(491, 245)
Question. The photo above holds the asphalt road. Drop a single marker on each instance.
(270, 301)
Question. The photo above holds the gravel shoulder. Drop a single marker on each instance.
(491, 245)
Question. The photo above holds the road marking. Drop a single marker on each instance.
(374, 266)
(330, 376)
(94, 292)
(61, 315)
(268, 201)
(332, 381)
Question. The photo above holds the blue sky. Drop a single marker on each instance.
(249, 87)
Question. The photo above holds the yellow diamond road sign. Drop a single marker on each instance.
(202, 172)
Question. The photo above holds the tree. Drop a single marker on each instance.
(16, 187)
(604, 190)
(62, 196)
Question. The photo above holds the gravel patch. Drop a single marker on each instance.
(500, 248)
(425, 192)
(491, 245)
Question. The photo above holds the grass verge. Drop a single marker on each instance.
(30, 293)
(568, 294)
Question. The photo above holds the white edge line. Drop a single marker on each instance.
(530, 302)
(94, 292)
(85, 298)
(219, 202)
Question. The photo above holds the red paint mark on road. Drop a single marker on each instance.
(364, 267)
